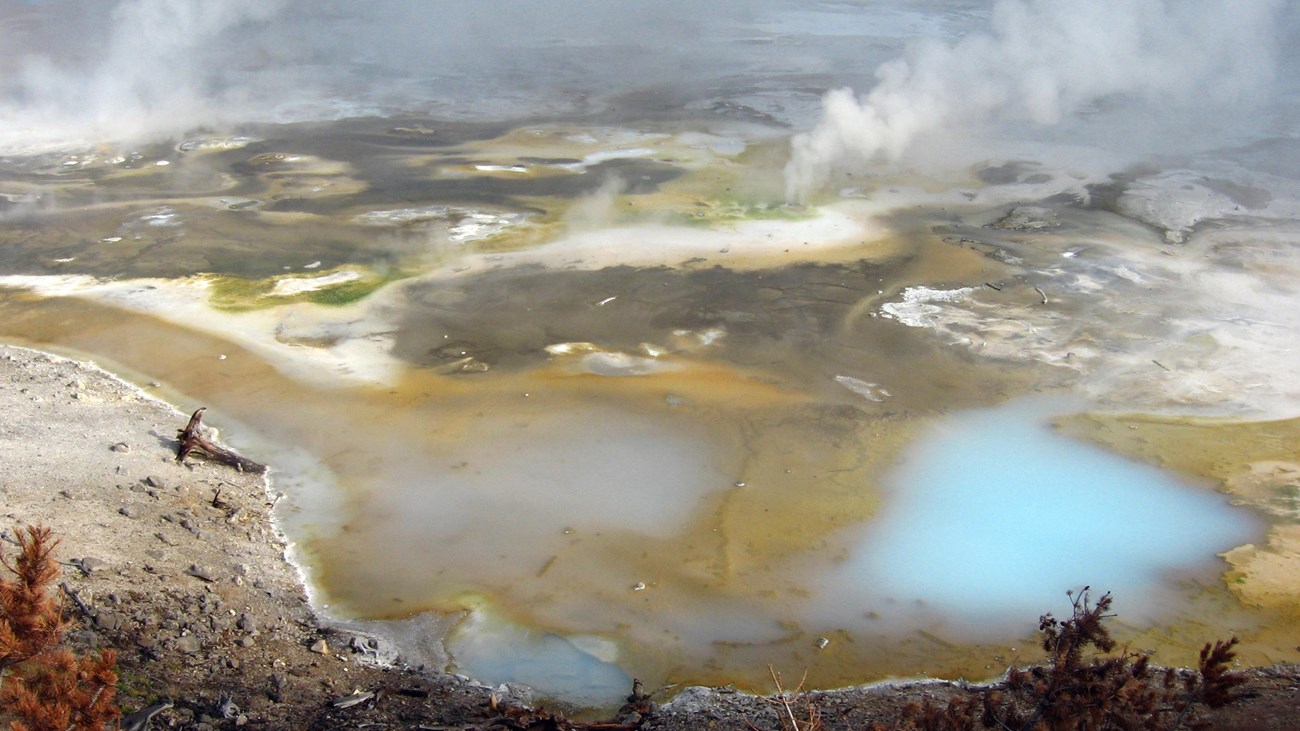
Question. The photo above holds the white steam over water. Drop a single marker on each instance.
(153, 67)
(137, 71)
(1043, 61)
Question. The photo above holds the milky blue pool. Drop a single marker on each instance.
(993, 514)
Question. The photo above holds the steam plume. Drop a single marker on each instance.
(1042, 61)
(156, 72)
(91, 71)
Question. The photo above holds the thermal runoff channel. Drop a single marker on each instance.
(607, 340)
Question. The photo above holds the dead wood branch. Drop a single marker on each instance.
(193, 441)
(787, 704)
(86, 611)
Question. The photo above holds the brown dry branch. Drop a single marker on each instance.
(1213, 684)
(1218, 685)
(31, 620)
(193, 441)
(1080, 686)
(61, 691)
(46, 687)
(795, 711)
(958, 715)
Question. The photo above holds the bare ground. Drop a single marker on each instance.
(180, 568)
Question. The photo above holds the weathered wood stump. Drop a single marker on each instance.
(192, 441)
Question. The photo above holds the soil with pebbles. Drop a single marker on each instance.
(180, 568)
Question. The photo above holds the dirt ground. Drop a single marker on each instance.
(180, 568)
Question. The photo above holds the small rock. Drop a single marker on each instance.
(246, 623)
(276, 692)
(129, 511)
(320, 647)
(110, 621)
(90, 565)
(121, 447)
(1028, 218)
(246, 641)
(154, 481)
(188, 644)
(355, 699)
(200, 572)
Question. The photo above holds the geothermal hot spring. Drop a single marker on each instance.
(632, 339)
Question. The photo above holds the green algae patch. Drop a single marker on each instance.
(722, 211)
(702, 179)
(722, 190)
(337, 287)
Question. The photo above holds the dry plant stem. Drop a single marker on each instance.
(785, 709)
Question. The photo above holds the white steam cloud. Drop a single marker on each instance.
(599, 208)
(113, 71)
(1042, 61)
(155, 67)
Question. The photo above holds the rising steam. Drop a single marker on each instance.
(157, 66)
(1042, 61)
(110, 71)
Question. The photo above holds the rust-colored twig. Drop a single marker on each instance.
(44, 687)
(31, 621)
